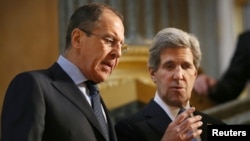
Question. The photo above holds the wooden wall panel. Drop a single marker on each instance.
(28, 37)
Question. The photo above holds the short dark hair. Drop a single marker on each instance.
(86, 17)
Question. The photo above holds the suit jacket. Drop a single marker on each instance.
(46, 105)
(235, 78)
(150, 123)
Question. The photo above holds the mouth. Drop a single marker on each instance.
(108, 65)
(177, 88)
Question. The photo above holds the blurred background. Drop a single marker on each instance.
(32, 36)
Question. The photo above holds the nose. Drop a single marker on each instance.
(116, 51)
(178, 74)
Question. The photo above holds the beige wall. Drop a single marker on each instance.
(28, 37)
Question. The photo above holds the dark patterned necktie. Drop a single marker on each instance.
(180, 111)
(96, 105)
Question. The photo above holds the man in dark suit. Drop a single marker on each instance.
(54, 104)
(235, 79)
(174, 58)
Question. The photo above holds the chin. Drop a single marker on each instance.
(104, 77)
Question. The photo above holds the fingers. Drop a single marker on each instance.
(200, 85)
(184, 128)
(190, 134)
(187, 125)
(182, 131)
(187, 113)
(203, 83)
(211, 82)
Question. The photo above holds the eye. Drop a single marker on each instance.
(186, 66)
(169, 66)
(109, 40)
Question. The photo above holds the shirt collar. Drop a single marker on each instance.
(171, 111)
(72, 70)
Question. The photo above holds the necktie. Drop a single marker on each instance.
(180, 111)
(96, 105)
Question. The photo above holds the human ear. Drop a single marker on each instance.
(76, 38)
(152, 74)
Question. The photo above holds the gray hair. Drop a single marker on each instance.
(173, 38)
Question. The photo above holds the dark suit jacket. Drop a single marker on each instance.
(46, 105)
(150, 123)
(234, 80)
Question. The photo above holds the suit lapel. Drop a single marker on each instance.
(65, 85)
(156, 117)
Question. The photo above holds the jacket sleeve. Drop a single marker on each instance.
(235, 78)
(23, 110)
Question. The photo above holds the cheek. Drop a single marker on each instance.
(164, 76)
(191, 83)
(89, 61)
(162, 82)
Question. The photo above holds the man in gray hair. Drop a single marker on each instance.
(174, 59)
